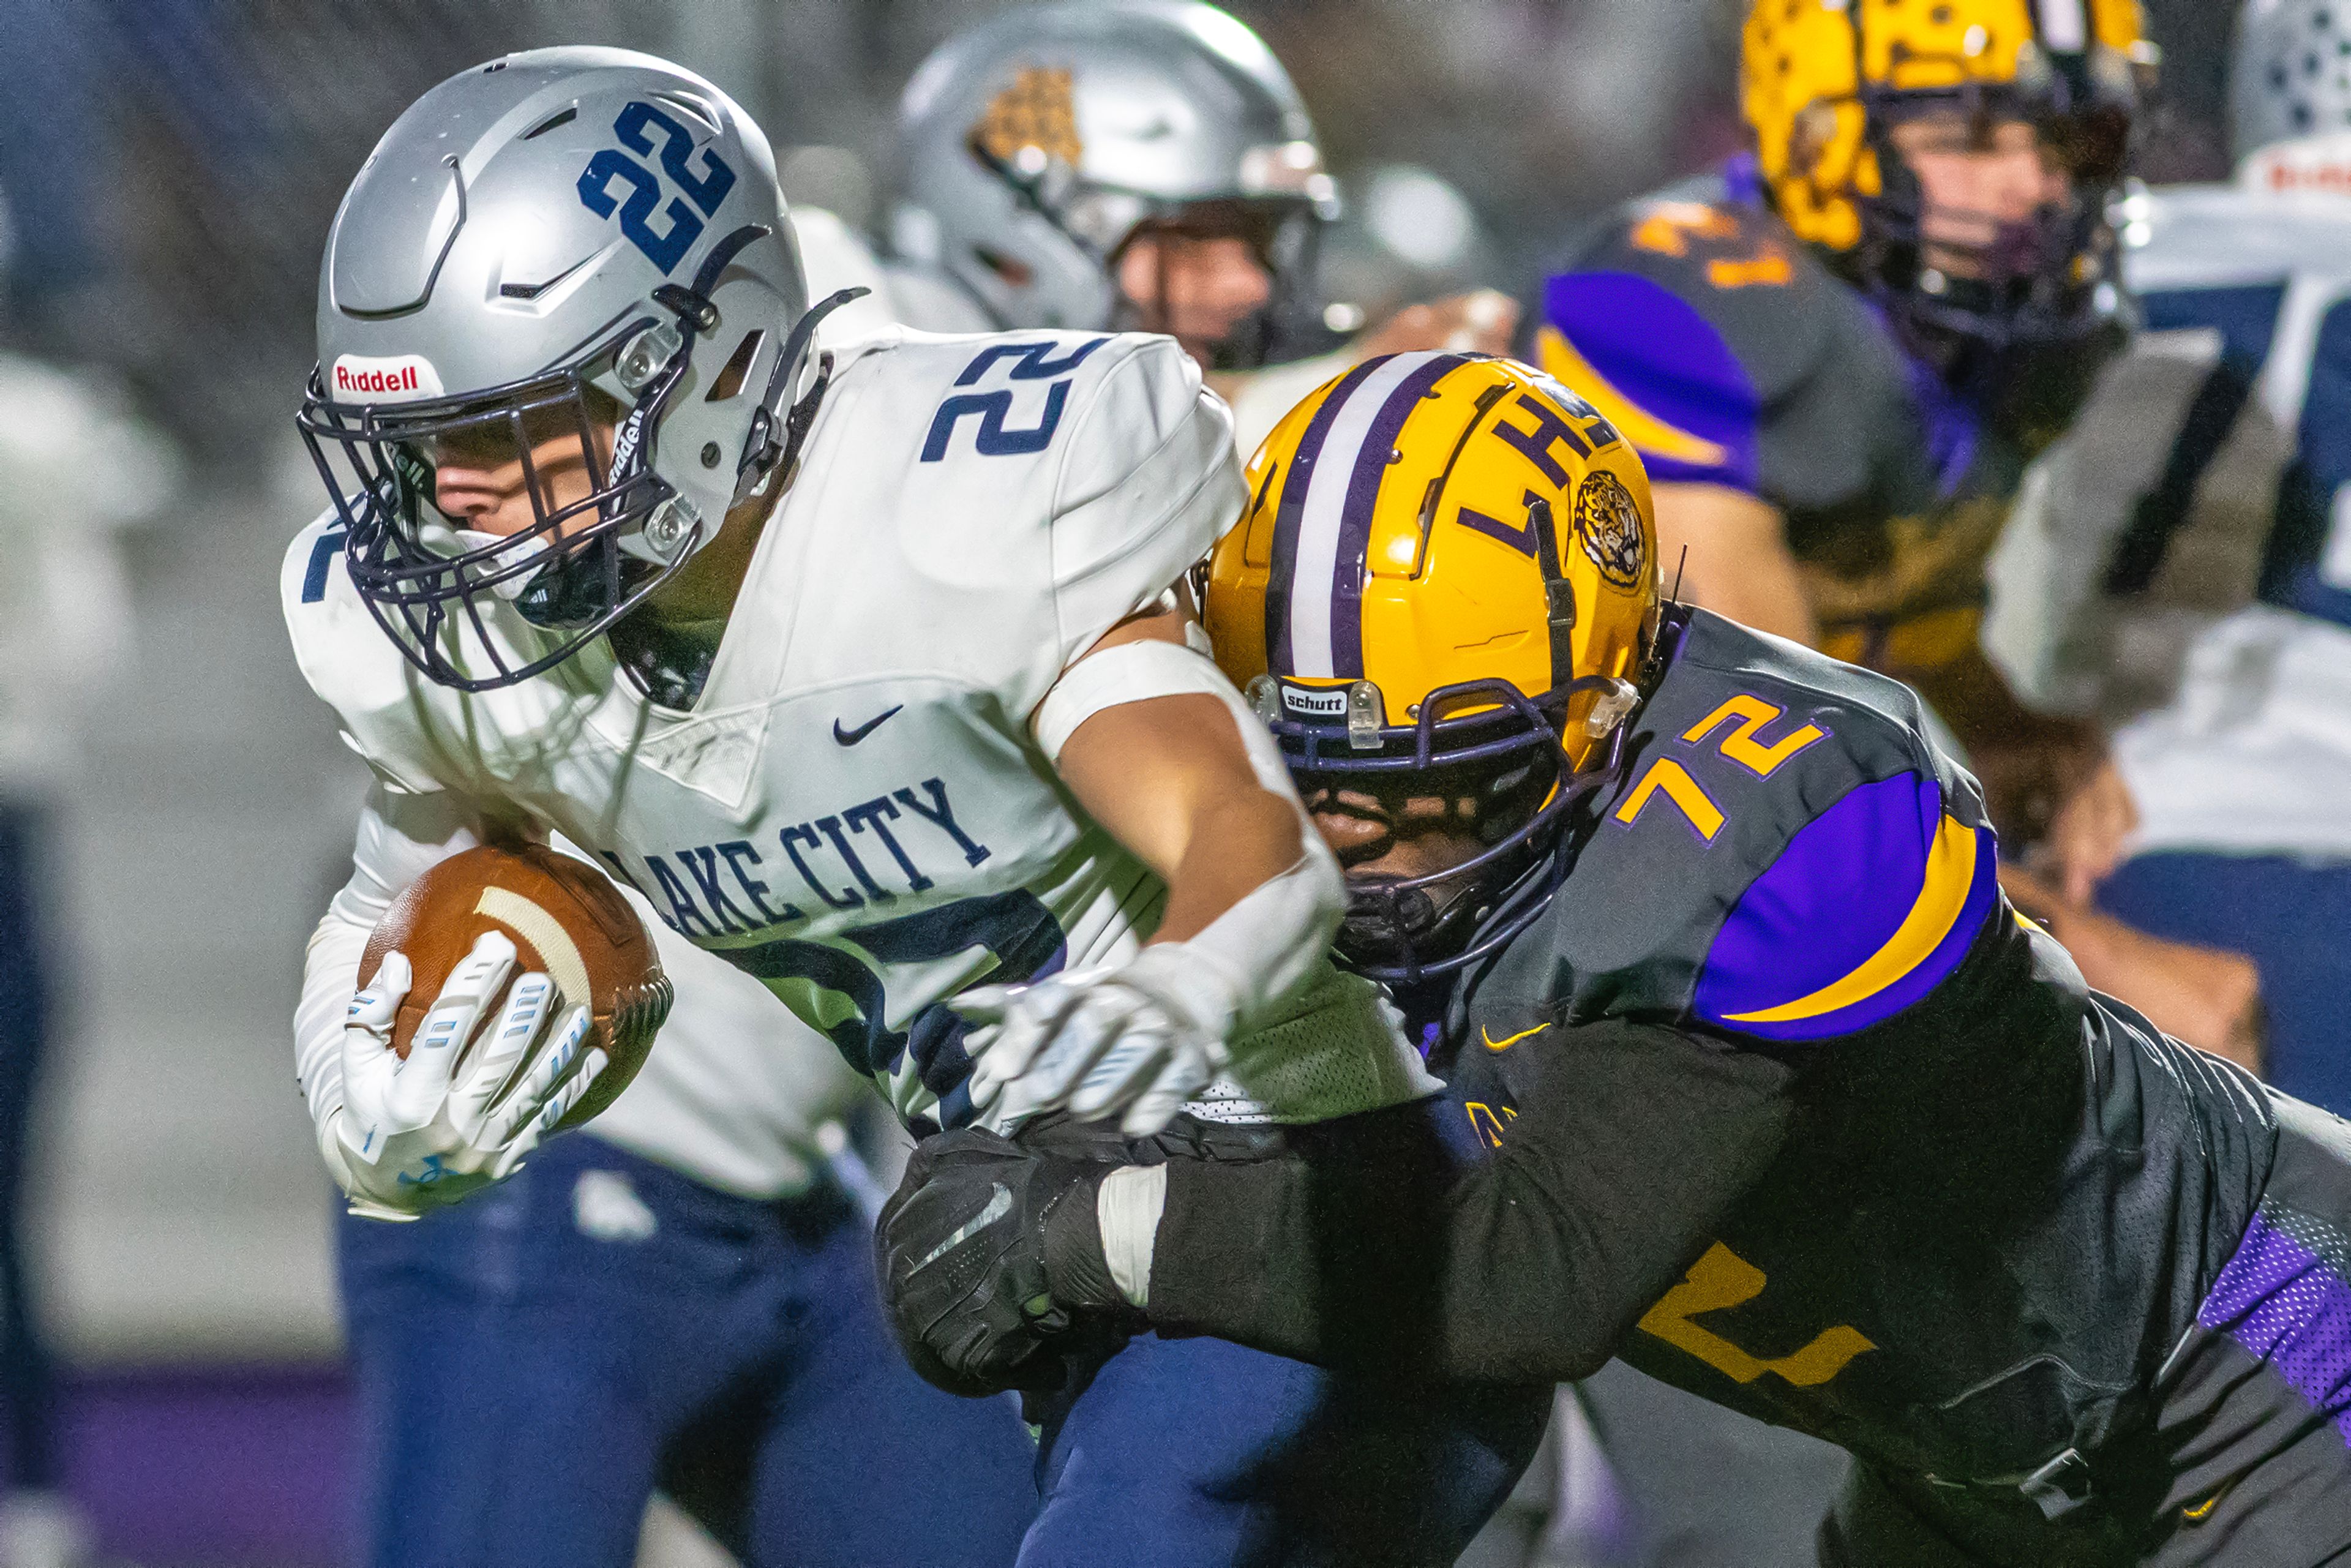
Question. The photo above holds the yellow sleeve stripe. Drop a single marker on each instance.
(1645, 430)
(1950, 873)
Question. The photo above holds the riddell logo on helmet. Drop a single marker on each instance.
(2316, 163)
(401, 378)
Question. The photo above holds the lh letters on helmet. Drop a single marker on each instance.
(401, 378)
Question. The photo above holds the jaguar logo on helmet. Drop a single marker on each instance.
(1608, 524)
(396, 378)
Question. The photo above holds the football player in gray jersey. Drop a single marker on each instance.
(1791, 1108)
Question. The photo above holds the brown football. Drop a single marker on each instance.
(566, 921)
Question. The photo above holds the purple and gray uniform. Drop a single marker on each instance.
(1732, 355)
(1792, 1110)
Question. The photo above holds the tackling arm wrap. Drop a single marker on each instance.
(1530, 1267)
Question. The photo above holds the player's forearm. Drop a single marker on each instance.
(1235, 846)
(1729, 551)
(1528, 1268)
(1380, 1273)
(1159, 749)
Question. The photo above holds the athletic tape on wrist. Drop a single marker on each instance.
(1127, 1207)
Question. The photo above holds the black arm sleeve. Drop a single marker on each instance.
(1630, 1143)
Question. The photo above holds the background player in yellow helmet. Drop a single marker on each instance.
(1791, 1109)
(1839, 354)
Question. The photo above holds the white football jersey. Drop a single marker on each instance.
(854, 811)
(734, 1094)
(2212, 467)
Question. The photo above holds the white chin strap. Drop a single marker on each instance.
(508, 589)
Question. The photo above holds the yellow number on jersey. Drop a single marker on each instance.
(1668, 777)
(1723, 1279)
(1741, 745)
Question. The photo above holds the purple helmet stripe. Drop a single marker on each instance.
(1282, 576)
(1317, 565)
(1372, 463)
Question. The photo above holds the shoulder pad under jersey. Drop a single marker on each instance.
(1724, 349)
(1075, 476)
(349, 662)
(1786, 855)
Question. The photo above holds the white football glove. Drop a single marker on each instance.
(417, 1135)
(1136, 1040)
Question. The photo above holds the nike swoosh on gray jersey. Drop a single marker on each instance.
(999, 1203)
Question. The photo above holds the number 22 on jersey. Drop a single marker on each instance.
(994, 437)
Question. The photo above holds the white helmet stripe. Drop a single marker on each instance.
(1310, 651)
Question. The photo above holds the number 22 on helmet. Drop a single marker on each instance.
(1446, 584)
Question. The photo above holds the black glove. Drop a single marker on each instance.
(985, 1251)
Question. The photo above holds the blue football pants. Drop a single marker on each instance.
(2293, 918)
(27, 1380)
(1194, 1453)
(532, 1364)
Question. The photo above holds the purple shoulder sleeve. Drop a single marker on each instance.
(1661, 371)
(1872, 904)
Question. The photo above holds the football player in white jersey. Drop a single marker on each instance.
(702, 1227)
(2213, 467)
(876, 675)
(1146, 164)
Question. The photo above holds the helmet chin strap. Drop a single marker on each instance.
(774, 446)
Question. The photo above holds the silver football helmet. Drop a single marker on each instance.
(2291, 74)
(1032, 148)
(564, 244)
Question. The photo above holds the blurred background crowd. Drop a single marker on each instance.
(174, 808)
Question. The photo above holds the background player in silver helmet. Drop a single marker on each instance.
(873, 672)
(696, 1241)
(2182, 568)
(1142, 164)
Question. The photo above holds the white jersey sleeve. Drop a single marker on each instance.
(354, 667)
(1149, 483)
(400, 837)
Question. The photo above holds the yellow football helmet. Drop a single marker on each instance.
(1822, 82)
(1449, 563)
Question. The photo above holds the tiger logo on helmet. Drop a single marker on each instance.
(1449, 561)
